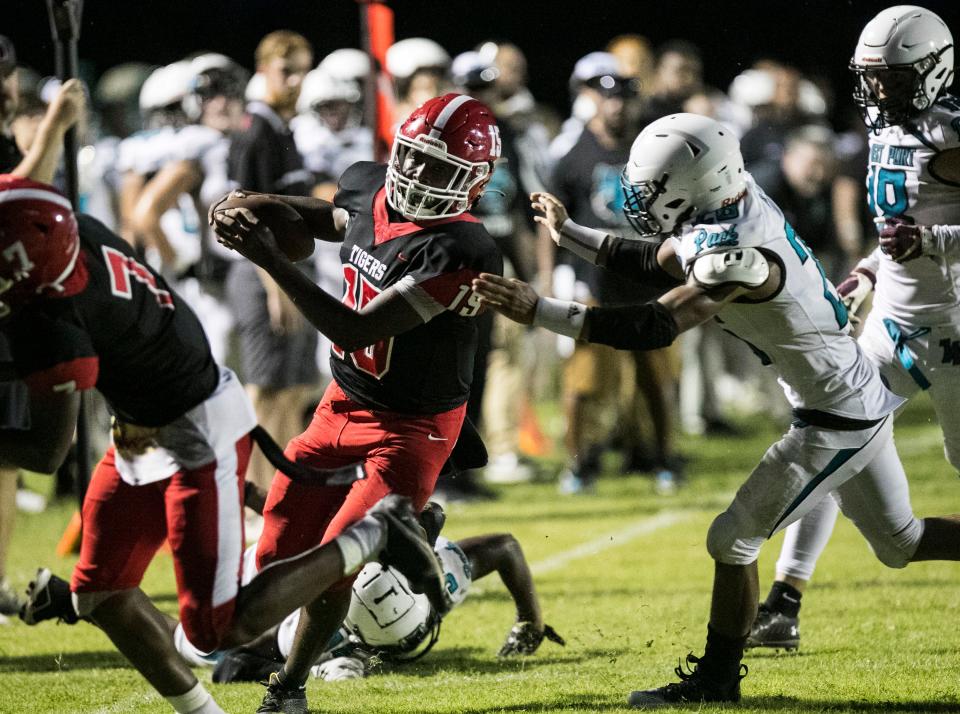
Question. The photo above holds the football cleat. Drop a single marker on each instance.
(694, 687)
(407, 550)
(774, 630)
(241, 665)
(284, 699)
(48, 597)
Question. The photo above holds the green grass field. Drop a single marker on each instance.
(622, 574)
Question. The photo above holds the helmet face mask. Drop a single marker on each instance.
(902, 63)
(638, 205)
(442, 158)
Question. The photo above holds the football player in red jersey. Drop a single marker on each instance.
(404, 338)
(79, 310)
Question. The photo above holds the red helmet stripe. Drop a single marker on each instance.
(444, 116)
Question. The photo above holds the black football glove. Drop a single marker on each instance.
(524, 639)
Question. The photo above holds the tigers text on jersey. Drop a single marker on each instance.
(901, 182)
(426, 370)
(802, 330)
(126, 333)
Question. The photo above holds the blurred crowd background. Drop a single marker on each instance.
(166, 137)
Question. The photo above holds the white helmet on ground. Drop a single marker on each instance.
(387, 615)
(347, 63)
(680, 165)
(905, 52)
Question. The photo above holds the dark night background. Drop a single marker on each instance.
(817, 36)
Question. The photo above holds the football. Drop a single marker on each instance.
(290, 230)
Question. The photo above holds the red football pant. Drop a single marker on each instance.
(199, 512)
(401, 453)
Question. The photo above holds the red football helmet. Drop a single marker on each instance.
(39, 241)
(442, 158)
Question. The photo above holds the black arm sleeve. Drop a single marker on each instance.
(649, 326)
(637, 260)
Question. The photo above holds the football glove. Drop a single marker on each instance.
(524, 639)
(855, 288)
(902, 240)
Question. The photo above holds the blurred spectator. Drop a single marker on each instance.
(793, 102)
(330, 137)
(851, 213)
(420, 69)
(587, 181)
(589, 68)
(277, 347)
(499, 391)
(635, 57)
(800, 183)
(678, 75)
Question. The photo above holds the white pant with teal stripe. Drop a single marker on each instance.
(800, 470)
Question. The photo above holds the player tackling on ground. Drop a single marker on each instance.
(903, 63)
(746, 267)
(404, 339)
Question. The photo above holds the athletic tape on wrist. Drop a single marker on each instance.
(564, 317)
(587, 243)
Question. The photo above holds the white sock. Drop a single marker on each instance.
(359, 543)
(195, 701)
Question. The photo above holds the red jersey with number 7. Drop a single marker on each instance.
(426, 370)
(126, 333)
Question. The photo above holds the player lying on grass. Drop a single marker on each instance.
(386, 621)
(725, 252)
(80, 312)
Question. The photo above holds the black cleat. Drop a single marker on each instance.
(407, 550)
(774, 630)
(284, 699)
(48, 598)
(694, 687)
(244, 666)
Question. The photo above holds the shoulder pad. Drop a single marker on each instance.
(358, 185)
(739, 266)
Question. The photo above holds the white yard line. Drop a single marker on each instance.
(920, 443)
(613, 539)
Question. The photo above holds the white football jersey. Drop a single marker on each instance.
(803, 330)
(327, 153)
(924, 292)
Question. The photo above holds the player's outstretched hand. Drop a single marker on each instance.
(553, 212)
(512, 298)
(525, 638)
(241, 230)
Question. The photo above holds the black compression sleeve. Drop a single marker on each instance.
(637, 260)
(649, 326)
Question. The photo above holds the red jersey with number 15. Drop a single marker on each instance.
(426, 370)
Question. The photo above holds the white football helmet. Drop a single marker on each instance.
(165, 86)
(212, 74)
(904, 54)
(346, 63)
(320, 87)
(389, 617)
(407, 56)
(680, 166)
